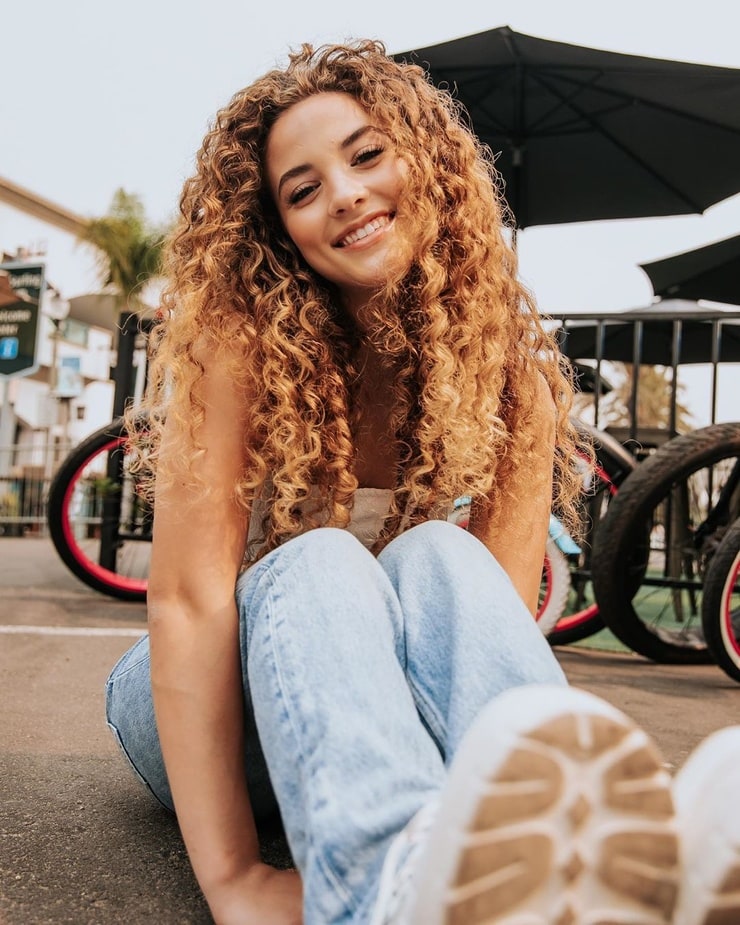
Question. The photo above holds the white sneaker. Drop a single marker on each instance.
(707, 797)
(557, 811)
(396, 888)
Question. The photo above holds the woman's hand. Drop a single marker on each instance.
(261, 895)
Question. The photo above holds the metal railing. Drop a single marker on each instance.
(26, 472)
(668, 334)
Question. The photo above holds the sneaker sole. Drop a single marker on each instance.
(557, 811)
(706, 796)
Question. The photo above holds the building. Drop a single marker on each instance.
(70, 393)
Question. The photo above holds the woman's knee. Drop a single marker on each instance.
(318, 583)
(319, 546)
(438, 567)
(304, 565)
(432, 545)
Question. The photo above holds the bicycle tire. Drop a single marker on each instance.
(581, 617)
(555, 587)
(721, 603)
(96, 522)
(634, 550)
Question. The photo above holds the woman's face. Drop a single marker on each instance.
(336, 180)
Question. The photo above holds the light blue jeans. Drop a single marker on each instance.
(361, 676)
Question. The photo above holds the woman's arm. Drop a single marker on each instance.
(198, 545)
(517, 535)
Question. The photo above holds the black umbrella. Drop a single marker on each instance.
(669, 330)
(711, 272)
(583, 134)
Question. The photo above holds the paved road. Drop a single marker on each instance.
(81, 843)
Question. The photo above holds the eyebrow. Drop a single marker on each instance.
(302, 168)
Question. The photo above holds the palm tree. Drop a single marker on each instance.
(128, 251)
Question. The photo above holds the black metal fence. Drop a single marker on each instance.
(668, 334)
(26, 473)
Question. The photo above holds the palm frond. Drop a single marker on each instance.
(127, 248)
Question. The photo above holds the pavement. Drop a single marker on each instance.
(80, 840)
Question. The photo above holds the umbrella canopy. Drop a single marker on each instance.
(583, 134)
(711, 272)
(695, 338)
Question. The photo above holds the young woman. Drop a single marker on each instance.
(345, 349)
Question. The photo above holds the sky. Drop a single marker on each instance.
(97, 95)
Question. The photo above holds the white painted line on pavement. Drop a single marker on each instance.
(70, 630)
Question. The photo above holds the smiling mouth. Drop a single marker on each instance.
(359, 233)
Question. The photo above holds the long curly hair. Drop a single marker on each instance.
(460, 330)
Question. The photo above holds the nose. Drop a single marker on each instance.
(347, 192)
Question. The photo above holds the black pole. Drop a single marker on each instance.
(123, 390)
(124, 373)
(636, 363)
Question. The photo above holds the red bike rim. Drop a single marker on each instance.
(108, 577)
(571, 620)
(732, 643)
(547, 569)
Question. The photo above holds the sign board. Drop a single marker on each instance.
(21, 286)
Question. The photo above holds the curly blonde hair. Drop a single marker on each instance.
(461, 331)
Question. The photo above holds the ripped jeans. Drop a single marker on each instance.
(361, 676)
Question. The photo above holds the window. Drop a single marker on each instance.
(75, 332)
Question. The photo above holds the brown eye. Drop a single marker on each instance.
(301, 192)
(368, 154)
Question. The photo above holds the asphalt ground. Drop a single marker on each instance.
(81, 842)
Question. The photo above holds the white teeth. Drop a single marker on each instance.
(363, 232)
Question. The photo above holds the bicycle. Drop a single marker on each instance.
(720, 614)
(581, 616)
(658, 538)
(101, 528)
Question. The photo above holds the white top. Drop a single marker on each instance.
(368, 515)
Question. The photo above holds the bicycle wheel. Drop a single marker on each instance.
(581, 617)
(657, 539)
(99, 524)
(720, 612)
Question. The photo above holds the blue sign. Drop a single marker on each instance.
(8, 348)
